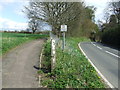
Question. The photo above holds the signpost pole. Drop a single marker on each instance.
(63, 29)
(63, 40)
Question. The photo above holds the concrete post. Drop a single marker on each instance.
(53, 54)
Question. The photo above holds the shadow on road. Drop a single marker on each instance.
(110, 46)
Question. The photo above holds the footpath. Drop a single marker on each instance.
(18, 66)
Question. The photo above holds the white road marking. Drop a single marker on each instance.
(93, 44)
(106, 51)
(96, 45)
(107, 82)
(112, 54)
(99, 47)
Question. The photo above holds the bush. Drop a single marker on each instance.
(111, 36)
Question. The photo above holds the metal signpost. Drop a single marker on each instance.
(63, 29)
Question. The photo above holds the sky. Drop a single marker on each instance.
(100, 6)
(12, 17)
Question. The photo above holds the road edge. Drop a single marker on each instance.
(39, 77)
(106, 81)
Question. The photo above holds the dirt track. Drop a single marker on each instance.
(17, 66)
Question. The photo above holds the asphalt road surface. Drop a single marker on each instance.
(104, 58)
(18, 66)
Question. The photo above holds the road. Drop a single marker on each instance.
(17, 66)
(104, 58)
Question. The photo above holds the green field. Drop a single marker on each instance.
(11, 40)
(72, 69)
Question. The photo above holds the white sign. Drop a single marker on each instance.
(63, 28)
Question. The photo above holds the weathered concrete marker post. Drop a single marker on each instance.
(53, 45)
(63, 29)
(53, 54)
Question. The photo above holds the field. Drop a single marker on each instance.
(11, 40)
(72, 69)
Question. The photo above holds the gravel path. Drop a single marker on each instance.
(17, 66)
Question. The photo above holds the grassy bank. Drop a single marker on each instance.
(72, 69)
(11, 40)
(46, 62)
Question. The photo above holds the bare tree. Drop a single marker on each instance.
(54, 13)
(115, 8)
(33, 25)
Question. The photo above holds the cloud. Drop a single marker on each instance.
(100, 5)
(9, 24)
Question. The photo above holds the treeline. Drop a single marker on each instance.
(111, 34)
(22, 31)
(76, 15)
(84, 24)
(26, 32)
(110, 31)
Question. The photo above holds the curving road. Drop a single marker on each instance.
(104, 58)
(17, 66)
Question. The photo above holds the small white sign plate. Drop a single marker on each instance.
(63, 28)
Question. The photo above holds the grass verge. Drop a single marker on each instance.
(46, 62)
(72, 69)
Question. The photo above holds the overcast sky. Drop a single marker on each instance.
(11, 16)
